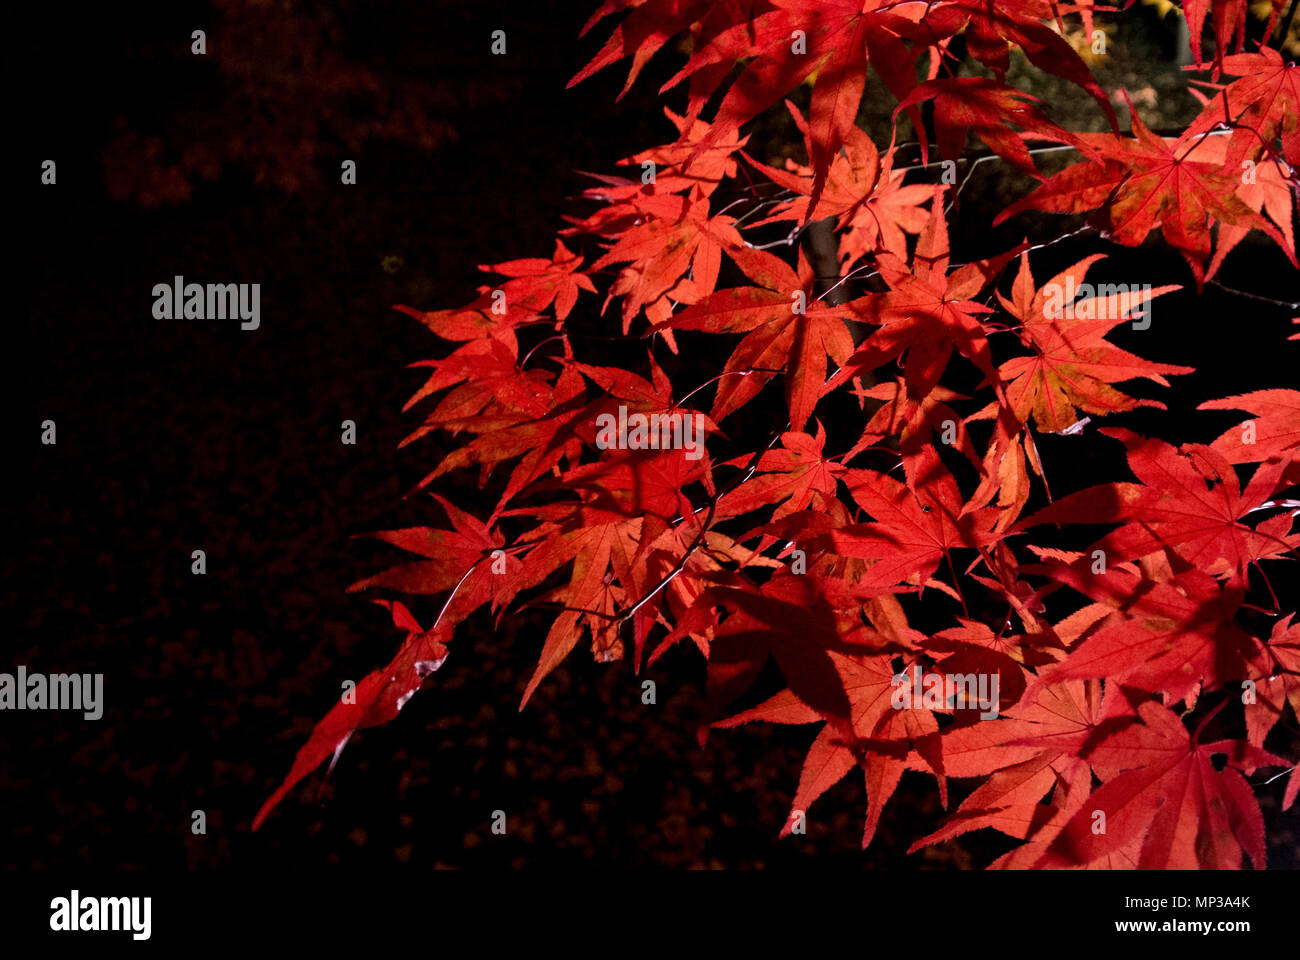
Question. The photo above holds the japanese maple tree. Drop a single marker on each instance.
(865, 503)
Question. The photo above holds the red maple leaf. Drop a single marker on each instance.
(1145, 182)
(1263, 105)
(990, 110)
(883, 740)
(457, 560)
(914, 526)
(1172, 637)
(872, 206)
(377, 699)
(1032, 749)
(927, 312)
(1280, 686)
(643, 528)
(1274, 432)
(1073, 364)
(786, 329)
(796, 476)
(1187, 813)
(833, 39)
(1189, 500)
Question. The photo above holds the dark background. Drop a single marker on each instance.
(180, 435)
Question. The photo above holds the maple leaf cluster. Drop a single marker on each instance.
(1105, 616)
